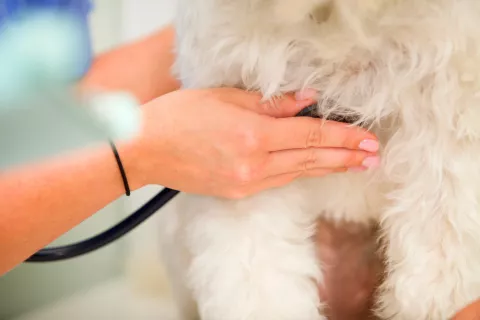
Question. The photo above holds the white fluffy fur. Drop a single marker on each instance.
(410, 69)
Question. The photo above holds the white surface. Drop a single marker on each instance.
(142, 17)
(106, 24)
(111, 300)
(139, 19)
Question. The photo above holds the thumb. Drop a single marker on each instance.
(287, 105)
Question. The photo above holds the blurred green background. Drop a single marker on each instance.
(119, 281)
(31, 286)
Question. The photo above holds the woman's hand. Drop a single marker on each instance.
(226, 142)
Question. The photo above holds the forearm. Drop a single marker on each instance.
(41, 202)
(142, 68)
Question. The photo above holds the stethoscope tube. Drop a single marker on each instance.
(108, 236)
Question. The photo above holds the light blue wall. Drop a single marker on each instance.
(31, 286)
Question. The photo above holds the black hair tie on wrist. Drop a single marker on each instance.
(122, 170)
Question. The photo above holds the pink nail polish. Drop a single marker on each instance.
(305, 94)
(369, 145)
(371, 162)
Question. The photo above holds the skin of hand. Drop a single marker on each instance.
(214, 142)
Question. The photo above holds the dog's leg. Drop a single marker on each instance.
(432, 235)
(177, 258)
(177, 267)
(253, 259)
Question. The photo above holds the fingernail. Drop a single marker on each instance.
(305, 94)
(369, 145)
(371, 162)
(357, 169)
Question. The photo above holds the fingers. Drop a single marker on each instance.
(306, 160)
(303, 132)
(280, 167)
(283, 179)
(281, 107)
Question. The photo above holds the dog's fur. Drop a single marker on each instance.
(410, 70)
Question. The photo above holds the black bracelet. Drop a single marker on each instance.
(122, 170)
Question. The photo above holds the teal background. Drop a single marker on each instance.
(32, 286)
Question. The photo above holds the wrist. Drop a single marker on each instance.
(144, 156)
(130, 153)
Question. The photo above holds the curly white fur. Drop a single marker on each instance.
(409, 68)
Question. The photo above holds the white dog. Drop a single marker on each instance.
(407, 69)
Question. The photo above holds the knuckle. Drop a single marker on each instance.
(243, 173)
(310, 161)
(250, 141)
(315, 138)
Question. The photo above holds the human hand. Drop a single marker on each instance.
(226, 142)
